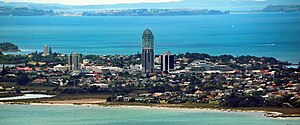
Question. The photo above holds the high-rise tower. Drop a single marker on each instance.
(147, 52)
(46, 50)
(73, 62)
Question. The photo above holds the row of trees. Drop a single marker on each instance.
(226, 58)
(255, 100)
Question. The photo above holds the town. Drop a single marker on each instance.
(225, 80)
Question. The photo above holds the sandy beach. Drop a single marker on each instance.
(79, 101)
(101, 102)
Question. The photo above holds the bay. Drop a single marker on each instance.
(259, 34)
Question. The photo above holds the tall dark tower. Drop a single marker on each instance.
(73, 61)
(147, 52)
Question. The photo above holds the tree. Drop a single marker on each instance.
(212, 86)
(242, 100)
(8, 47)
(22, 80)
(4, 71)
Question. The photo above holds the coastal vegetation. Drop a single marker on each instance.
(8, 47)
(36, 57)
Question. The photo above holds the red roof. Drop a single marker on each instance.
(24, 68)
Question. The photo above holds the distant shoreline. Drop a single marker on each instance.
(131, 106)
(229, 13)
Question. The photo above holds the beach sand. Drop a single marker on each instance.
(78, 101)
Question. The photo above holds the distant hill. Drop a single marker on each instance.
(155, 12)
(33, 5)
(224, 5)
(8, 47)
(23, 11)
(282, 8)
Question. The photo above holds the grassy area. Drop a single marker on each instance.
(27, 87)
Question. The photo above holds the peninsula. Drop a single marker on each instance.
(8, 47)
(282, 8)
(192, 80)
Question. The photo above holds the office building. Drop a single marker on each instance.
(46, 50)
(73, 62)
(167, 61)
(147, 52)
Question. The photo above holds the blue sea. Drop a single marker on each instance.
(96, 115)
(259, 34)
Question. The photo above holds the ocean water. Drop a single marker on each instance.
(259, 34)
(95, 115)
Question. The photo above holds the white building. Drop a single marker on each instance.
(46, 50)
(60, 67)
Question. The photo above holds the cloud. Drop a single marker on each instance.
(93, 2)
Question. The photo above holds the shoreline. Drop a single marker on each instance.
(127, 106)
(266, 113)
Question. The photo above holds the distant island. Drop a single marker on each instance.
(282, 8)
(9, 9)
(8, 47)
(154, 12)
(24, 11)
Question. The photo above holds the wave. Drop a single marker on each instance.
(270, 44)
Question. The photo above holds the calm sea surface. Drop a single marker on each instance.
(82, 115)
(260, 34)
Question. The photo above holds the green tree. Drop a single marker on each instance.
(4, 71)
(22, 80)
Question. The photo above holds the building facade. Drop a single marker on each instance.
(167, 61)
(73, 62)
(147, 52)
(46, 50)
